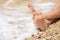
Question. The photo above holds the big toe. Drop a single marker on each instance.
(40, 22)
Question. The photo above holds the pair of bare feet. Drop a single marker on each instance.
(43, 20)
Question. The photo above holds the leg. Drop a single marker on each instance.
(54, 13)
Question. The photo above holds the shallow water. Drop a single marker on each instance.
(16, 22)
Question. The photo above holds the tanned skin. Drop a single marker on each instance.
(43, 20)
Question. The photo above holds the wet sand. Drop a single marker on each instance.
(52, 33)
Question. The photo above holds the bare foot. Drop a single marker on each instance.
(39, 20)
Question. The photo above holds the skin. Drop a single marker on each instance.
(54, 13)
(43, 20)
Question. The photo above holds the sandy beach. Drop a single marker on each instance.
(16, 21)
